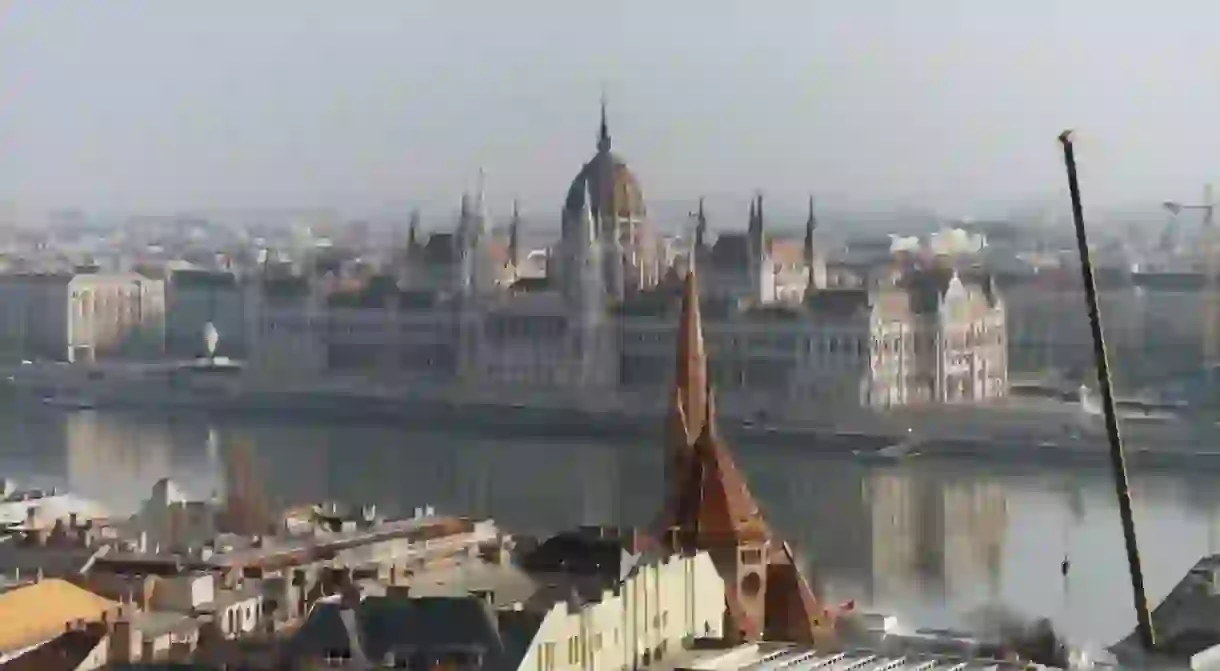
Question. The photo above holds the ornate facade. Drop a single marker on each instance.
(600, 326)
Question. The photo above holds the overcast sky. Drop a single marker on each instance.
(367, 103)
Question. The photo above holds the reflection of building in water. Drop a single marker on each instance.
(891, 530)
(542, 485)
(112, 460)
(934, 531)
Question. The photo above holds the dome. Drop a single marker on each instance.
(607, 176)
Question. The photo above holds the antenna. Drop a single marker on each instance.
(1122, 490)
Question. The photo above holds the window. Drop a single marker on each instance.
(338, 657)
(546, 657)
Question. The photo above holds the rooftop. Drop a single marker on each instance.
(1184, 621)
(37, 612)
(784, 657)
(67, 651)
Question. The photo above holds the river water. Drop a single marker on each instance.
(929, 541)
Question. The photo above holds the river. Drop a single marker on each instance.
(929, 541)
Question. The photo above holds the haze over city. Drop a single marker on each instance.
(953, 106)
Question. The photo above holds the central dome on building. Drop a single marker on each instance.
(616, 190)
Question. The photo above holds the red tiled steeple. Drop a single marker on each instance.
(688, 409)
(709, 507)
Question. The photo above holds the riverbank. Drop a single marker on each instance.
(1073, 445)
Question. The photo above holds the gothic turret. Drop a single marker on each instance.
(514, 236)
(813, 281)
(700, 226)
(462, 239)
(811, 224)
(413, 234)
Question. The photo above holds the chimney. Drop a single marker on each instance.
(398, 591)
(73, 523)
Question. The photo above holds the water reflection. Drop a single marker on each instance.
(926, 540)
(111, 460)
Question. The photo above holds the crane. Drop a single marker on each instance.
(1210, 244)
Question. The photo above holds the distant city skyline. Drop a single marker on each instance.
(954, 108)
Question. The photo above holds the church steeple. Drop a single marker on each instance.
(709, 507)
(603, 136)
(811, 224)
(691, 376)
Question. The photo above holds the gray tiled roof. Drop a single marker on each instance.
(384, 624)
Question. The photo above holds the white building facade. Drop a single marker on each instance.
(82, 317)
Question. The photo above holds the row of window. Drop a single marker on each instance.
(576, 645)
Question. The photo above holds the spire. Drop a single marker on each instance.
(413, 231)
(700, 225)
(756, 230)
(514, 232)
(691, 379)
(811, 224)
(603, 137)
(481, 207)
(462, 245)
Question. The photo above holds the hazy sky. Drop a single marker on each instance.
(373, 103)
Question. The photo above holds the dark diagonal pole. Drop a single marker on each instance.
(1143, 619)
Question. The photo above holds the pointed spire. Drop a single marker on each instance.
(692, 375)
(514, 233)
(603, 136)
(700, 226)
(756, 238)
(811, 225)
(484, 228)
(463, 226)
(413, 231)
